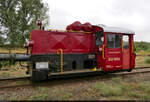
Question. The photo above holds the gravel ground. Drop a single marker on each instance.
(76, 88)
(70, 89)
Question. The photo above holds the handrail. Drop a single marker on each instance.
(103, 56)
(61, 52)
(132, 46)
(79, 31)
(122, 45)
(73, 31)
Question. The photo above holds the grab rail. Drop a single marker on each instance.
(103, 53)
(61, 52)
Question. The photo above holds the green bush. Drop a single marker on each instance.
(142, 46)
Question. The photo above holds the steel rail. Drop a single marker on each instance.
(14, 86)
(142, 55)
(72, 76)
(13, 80)
(134, 72)
(136, 68)
(28, 77)
(18, 78)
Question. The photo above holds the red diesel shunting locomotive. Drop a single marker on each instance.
(80, 49)
(83, 47)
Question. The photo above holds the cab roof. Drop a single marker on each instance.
(116, 29)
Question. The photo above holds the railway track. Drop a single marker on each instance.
(19, 78)
(25, 81)
(142, 55)
(137, 70)
(14, 82)
(141, 67)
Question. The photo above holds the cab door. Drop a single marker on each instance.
(113, 52)
(126, 52)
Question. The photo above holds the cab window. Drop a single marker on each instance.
(114, 40)
(125, 41)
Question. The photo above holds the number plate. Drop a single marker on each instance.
(91, 56)
(41, 65)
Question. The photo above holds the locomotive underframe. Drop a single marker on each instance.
(71, 62)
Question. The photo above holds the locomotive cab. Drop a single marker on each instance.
(118, 50)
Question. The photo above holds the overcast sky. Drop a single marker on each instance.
(132, 14)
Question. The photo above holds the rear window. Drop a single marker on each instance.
(114, 40)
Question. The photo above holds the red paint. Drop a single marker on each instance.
(111, 54)
(113, 59)
(49, 42)
(126, 53)
(132, 54)
(129, 55)
(126, 58)
(87, 27)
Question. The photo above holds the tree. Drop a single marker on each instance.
(18, 18)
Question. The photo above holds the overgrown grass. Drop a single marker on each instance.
(116, 88)
(5, 74)
(43, 89)
(147, 60)
(143, 52)
(67, 95)
(145, 86)
(145, 96)
(108, 89)
(39, 97)
(134, 94)
(12, 50)
(21, 82)
(117, 80)
(42, 95)
(119, 88)
(141, 61)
